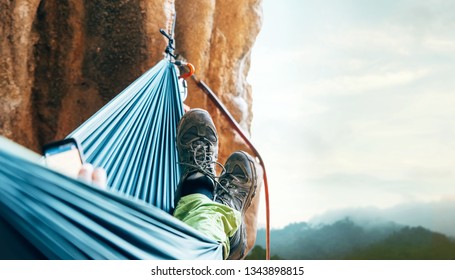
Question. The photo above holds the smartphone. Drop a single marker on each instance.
(64, 156)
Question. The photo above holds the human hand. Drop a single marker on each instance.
(96, 176)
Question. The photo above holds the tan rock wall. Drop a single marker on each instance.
(61, 60)
(217, 37)
(16, 70)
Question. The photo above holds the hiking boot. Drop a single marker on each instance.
(236, 189)
(197, 145)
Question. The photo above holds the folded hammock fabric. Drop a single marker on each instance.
(44, 214)
(133, 137)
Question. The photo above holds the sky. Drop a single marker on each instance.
(354, 104)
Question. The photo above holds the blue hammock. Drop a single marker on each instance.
(44, 214)
(133, 137)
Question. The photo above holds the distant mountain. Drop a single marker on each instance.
(409, 243)
(302, 241)
(436, 216)
(346, 239)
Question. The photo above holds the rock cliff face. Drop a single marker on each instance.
(61, 60)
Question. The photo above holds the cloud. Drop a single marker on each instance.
(435, 215)
(353, 103)
(439, 44)
(355, 84)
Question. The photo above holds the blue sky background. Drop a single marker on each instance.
(354, 104)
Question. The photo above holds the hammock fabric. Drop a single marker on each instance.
(133, 137)
(44, 214)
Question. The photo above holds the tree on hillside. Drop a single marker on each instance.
(411, 243)
(258, 253)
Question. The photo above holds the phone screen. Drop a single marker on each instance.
(64, 158)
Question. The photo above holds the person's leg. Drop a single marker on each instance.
(236, 189)
(214, 208)
(197, 144)
(215, 220)
(221, 217)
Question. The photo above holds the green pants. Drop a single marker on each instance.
(213, 219)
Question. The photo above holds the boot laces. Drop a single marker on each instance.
(228, 187)
(203, 158)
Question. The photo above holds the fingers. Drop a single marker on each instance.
(99, 178)
(85, 174)
(93, 176)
